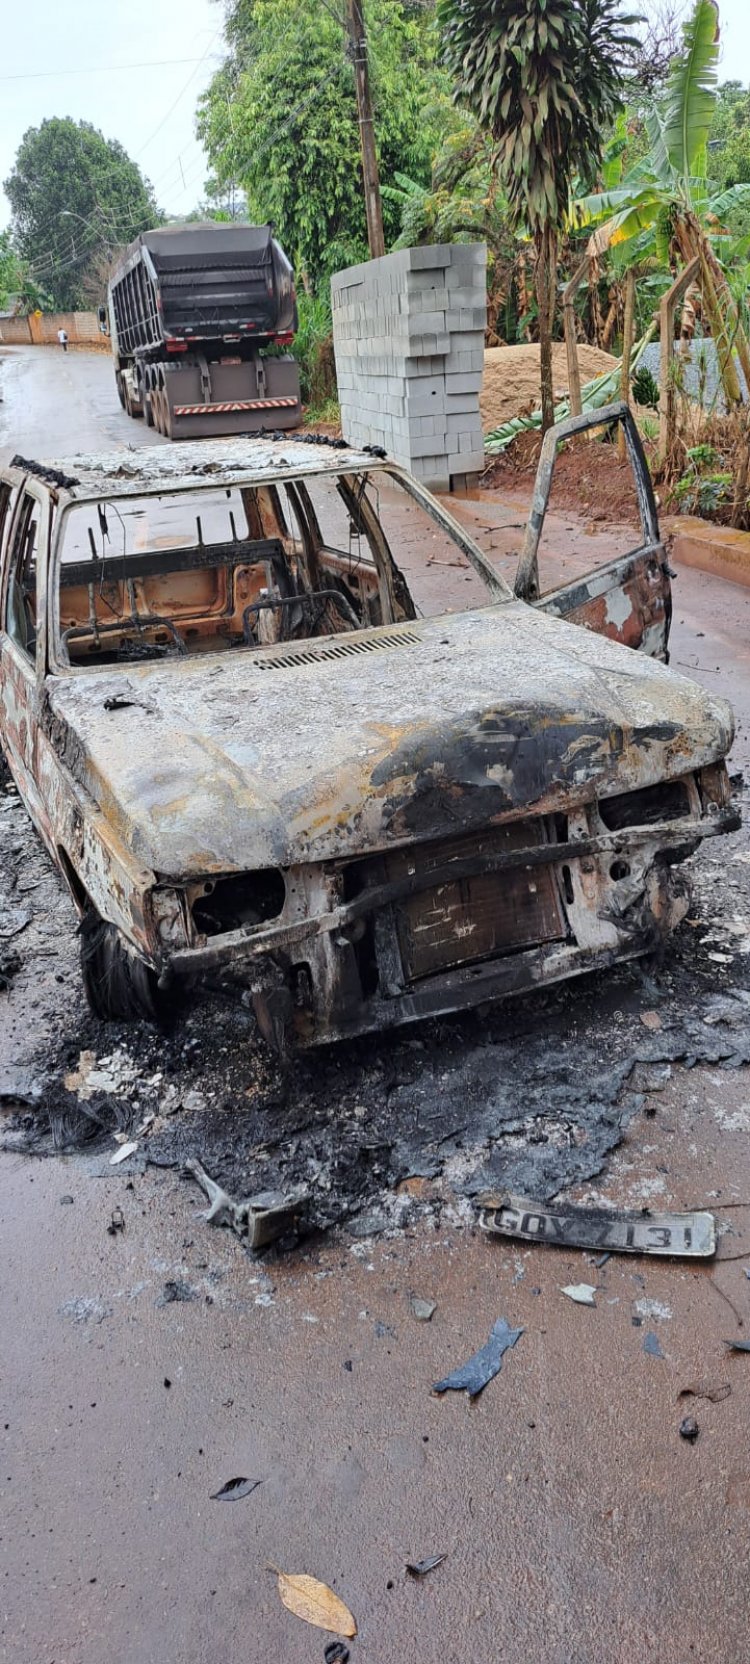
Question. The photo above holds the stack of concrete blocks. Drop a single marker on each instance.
(408, 334)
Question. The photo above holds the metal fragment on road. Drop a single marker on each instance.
(262, 1219)
(688, 1235)
(473, 1376)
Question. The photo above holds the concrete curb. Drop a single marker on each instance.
(717, 550)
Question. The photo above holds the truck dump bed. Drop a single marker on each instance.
(190, 309)
(202, 283)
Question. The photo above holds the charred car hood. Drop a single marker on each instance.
(216, 765)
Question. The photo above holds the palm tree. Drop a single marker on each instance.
(543, 79)
(669, 196)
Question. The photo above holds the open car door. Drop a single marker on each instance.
(630, 598)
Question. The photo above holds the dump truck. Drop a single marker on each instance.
(192, 313)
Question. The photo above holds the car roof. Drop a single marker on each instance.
(181, 465)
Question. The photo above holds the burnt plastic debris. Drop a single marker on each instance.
(689, 1429)
(420, 1568)
(473, 1376)
(337, 1652)
(235, 1489)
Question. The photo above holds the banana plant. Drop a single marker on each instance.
(669, 195)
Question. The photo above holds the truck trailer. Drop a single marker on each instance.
(192, 311)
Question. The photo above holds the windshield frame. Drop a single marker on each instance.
(498, 591)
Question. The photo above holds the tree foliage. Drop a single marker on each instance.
(280, 118)
(16, 283)
(729, 138)
(74, 196)
(544, 79)
(669, 196)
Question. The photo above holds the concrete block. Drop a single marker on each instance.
(463, 423)
(466, 318)
(466, 462)
(468, 254)
(456, 384)
(429, 256)
(463, 296)
(462, 404)
(472, 440)
(428, 346)
(465, 362)
(432, 472)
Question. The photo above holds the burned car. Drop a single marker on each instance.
(277, 717)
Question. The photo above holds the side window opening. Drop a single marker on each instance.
(21, 596)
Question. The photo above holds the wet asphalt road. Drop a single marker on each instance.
(579, 1527)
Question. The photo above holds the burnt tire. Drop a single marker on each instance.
(117, 984)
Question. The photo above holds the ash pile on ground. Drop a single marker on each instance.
(533, 1095)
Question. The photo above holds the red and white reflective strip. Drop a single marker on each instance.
(234, 404)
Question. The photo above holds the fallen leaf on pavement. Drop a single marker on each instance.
(235, 1489)
(582, 1293)
(315, 1603)
(420, 1568)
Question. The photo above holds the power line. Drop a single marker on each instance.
(100, 69)
(179, 97)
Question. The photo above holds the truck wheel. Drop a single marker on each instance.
(147, 410)
(118, 986)
(120, 388)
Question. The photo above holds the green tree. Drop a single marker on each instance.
(75, 196)
(544, 79)
(729, 138)
(670, 195)
(16, 282)
(280, 118)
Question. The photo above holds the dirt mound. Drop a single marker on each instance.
(511, 384)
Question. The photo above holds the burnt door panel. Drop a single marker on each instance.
(629, 599)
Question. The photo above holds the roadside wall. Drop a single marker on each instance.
(82, 328)
(408, 334)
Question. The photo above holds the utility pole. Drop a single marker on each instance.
(355, 24)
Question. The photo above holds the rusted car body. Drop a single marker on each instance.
(250, 755)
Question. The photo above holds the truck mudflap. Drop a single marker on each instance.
(194, 400)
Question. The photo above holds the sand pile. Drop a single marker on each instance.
(511, 386)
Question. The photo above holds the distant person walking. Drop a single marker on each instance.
(62, 336)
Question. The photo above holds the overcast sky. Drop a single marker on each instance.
(72, 58)
(47, 49)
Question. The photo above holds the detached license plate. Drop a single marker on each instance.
(692, 1235)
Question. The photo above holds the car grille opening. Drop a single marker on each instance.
(463, 921)
(242, 899)
(667, 801)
